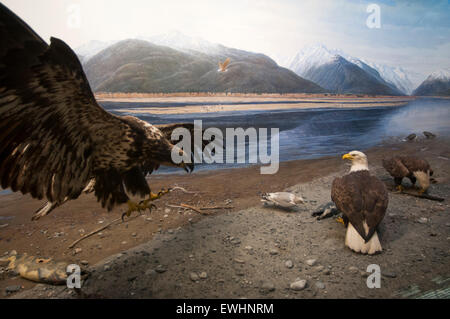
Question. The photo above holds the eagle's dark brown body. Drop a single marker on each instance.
(400, 167)
(361, 198)
(55, 138)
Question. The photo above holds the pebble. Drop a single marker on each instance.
(353, 269)
(150, 272)
(160, 269)
(239, 261)
(298, 285)
(289, 264)
(235, 241)
(166, 216)
(311, 262)
(320, 285)
(273, 252)
(193, 276)
(203, 275)
(389, 274)
(167, 210)
(149, 219)
(134, 234)
(106, 267)
(124, 243)
(267, 287)
(319, 268)
(423, 220)
(78, 250)
(84, 262)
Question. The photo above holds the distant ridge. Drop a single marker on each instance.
(340, 73)
(436, 84)
(140, 66)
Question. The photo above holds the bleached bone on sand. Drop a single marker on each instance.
(282, 199)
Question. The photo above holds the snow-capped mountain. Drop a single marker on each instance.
(319, 54)
(182, 42)
(436, 84)
(339, 72)
(443, 75)
(404, 80)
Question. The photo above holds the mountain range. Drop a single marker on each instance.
(109, 65)
(339, 72)
(141, 66)
(436, 84)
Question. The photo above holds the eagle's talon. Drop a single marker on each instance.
(340, 220)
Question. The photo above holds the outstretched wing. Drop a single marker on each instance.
(225, 63)
(50, 123)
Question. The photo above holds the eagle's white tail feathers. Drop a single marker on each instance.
(356, 243)
(423, 178)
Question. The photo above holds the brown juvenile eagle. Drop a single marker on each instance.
(412, 167)
(55, 138)
(363, 200)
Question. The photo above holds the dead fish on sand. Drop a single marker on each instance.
(37, 269)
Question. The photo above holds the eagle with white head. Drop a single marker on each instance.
(363, 200)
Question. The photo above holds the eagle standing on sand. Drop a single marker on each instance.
(412, 167)
(363, 200)
(56, 141)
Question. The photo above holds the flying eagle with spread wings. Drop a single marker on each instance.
(56, 141)
(224, 65)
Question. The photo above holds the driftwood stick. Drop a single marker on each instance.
(99, 230)
(93, 232)
(183, 190)
(217, 207)
(424, 195)
(195, 209)
(199, 208)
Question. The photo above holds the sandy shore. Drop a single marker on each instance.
(183, 241)
(215, 106)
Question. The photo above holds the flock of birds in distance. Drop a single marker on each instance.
(56, 142)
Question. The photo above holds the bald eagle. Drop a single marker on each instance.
(363, 200)
(412, 167)
(54, 137)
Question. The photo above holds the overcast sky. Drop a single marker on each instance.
(412, 34)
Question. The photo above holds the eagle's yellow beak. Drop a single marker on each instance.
(347, 156)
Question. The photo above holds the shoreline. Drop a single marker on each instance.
(260, 104)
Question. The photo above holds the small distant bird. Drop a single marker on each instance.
(429, 135)
(282, 199)
(412, 167)
(363, 200)
(411, 137)
(223, 66)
